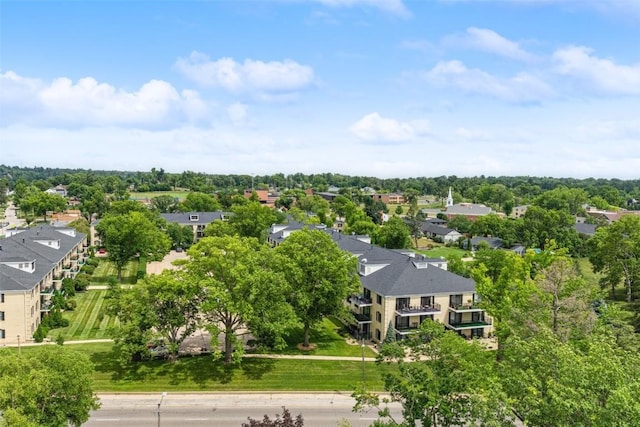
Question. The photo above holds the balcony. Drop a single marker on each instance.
(407, 329)
(360, 301)
(362, 318)
(470, 324)
(47, 291)
(46, 306)
(465, 308)
(422, 310)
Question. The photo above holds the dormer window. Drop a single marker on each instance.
(194, 217)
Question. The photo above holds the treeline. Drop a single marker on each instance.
(523, 188)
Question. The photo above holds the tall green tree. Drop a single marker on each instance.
(394, 234)
(615, 252)
(165, 203)
(253, 220)
(447, 382)
(242, 288)
(320, 276)
(40, 202)
(503, 281)
(133, 234)
(51, 386)
(200, 202)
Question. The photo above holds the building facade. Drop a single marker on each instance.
(33, 263)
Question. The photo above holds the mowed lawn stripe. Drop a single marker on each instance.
(93, 315)
(82, 313)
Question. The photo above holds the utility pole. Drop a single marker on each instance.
(160, 403)
(363, 364)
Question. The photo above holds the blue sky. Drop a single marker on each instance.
(388, 88)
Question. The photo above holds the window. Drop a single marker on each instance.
(379, 299)
(1, 297)
(194, 217)
(378, 316)
(378, 334)
(1, 333)
(1, 315)
(402, 303)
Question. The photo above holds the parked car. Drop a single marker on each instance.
(102, 251)
(179, 249)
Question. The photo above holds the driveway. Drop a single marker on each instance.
(157, 267)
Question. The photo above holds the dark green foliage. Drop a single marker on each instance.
(284, 420)
(68, 287)
(88, 269)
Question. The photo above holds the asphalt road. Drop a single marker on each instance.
(225, 410)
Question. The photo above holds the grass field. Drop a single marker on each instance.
(204, 374)
(107, 270)
(444, 251)
(181, 195)
(89, 320)
(328, 342)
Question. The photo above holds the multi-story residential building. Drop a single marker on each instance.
(400, 289)
(33, 263)
(196, 220)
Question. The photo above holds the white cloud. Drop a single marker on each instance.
(90, 103)
(374, 127)
(258, 77)
(489, 41)
(522, 87)
(395, 7)
(237, 112)
(603, 75)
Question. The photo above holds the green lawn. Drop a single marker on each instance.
(89, 320)
(106, 270)
(328, 340)
(586, 270)
(181, 195)
(444, 251)
(204, 374)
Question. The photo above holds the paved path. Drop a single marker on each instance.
(10, 218)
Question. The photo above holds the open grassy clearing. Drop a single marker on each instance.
(181, 195)
(586, 270)
(444, 251)
(107, 270)
(89, 320)
(204, 374)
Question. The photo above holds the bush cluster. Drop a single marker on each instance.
(142, 268)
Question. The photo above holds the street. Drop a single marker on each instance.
(225, 410)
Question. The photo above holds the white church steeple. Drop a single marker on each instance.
(449, 198)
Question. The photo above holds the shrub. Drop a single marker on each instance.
(71, 305)
(94, 262)
(68, 287)
(60, 339)
(81, 284)
(41, 332)
(88, 269)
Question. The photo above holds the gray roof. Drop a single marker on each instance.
(401, 277)
(184, 218)
(586, 229)
(22, 247)
(436, 221)
(437, 230)
(468, 209)
(493, 242)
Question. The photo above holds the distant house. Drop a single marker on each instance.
(493, 242)
(446, 235)
(519, 211)
(388, 198)
(265, 197)
(327, 196)
(196, 220)
(436, 221)
(60, 190)
(470, 210)
(585, 229)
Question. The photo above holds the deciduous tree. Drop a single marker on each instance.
(320, 275)
(50, 386)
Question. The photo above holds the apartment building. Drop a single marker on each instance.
(33, 263)
(400, 289)
(198, 221)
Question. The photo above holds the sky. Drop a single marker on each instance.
(385, 88)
